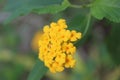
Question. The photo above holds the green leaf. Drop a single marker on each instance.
(78, 23)
(113, 43)
(23, 7)
(109, 9)
(53, 8)
(81, 23)
(38, 71)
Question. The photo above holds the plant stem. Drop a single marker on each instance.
(80, 6)
(76, 6)
(87, 25)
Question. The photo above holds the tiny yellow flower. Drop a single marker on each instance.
(70, 62)
(60, 58)
(69, 48)
(74, 35)
(46, 29)
(56, 47)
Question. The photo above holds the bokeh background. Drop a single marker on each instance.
(98, 53)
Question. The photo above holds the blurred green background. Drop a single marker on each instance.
(98, 53)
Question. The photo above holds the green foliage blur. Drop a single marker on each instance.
(98, 52)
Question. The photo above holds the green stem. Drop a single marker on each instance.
(76, 6)
(87, 25)
(80, 6)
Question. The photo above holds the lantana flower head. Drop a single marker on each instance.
(56, 48)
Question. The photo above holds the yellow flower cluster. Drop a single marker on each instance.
(56, 47)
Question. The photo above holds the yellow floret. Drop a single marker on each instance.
(74, 35)
(62, 23)
(46, 29)
(60, 58)
(70, 62)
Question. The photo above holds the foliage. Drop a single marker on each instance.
(38, 71)
(113, 43)
(106, 8)
(22, 7)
